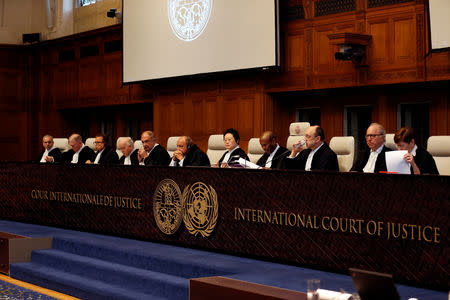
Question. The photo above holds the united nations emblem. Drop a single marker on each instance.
(201, 209)
(168, 206)
(188, 18)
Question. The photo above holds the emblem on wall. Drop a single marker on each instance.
(188, 18)
(168, 206)
(201, 209)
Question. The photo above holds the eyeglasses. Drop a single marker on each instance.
(372, 136)
(98, 142)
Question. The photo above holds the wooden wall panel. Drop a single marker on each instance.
(296, 44)
(379, 50)
(323, 59)
(231, 112)
(177, 119)
(64, 82)
(198, 117)
(89, 85)
(404, 41)
(246, 117)
(114, 91)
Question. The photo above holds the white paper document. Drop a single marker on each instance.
(395, 162)
(246, 164)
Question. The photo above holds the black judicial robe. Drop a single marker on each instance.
(380, 164)
(158, 157)
(109, 157)
(55, 153)
(236, 152)
(425, 161)
(85, 154)
(133, 158)
(196, 157)
(277, 160)
(323, 159)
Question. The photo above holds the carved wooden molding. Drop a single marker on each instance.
(349, 38)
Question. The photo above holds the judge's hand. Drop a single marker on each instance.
(409, 159)
(297, 147)
(49, 159)
(216, 165)
(224, 165)
(142, 154)
(178, 155)
(265, 168)
(88, 162)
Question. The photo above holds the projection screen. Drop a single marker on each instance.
(439, 12)
(171, 38)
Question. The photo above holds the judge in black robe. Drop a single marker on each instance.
(375, 139)
(231, 140)
(84, 153)
(52, 155)
(188, 154)
(421, 161)
(274, 154)
(152, 154)
(133, 158)
(323, 157)
(108, 156)
(380, 164)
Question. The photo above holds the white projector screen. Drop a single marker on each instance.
(171, 38)
(439, 15)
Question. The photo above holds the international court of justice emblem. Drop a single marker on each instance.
(188, 18)
(168, 206)
(201, 209)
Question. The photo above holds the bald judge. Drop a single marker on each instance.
(317, 155)
(79, 153)
(188, 154)
(273, 153)
(50, 154)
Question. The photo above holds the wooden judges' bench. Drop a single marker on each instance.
(388, 223)
(222, 288)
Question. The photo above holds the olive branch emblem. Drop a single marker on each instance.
(201, 209)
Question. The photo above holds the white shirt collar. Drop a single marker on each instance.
(378, 151)
(156, 144)
(131, 153)
(270, 158)
(82, 146)
(274, 151)
(413, 151)
(315, 150)
(231, 151)
(49, 150)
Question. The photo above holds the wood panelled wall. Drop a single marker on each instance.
(57, 86)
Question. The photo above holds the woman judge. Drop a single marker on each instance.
(420, 160)
(231, 141)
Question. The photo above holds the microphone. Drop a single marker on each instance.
(280, 155)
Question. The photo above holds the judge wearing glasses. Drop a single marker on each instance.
(104, 154)
(373, 160)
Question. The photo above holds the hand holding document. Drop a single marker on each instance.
(395, 162)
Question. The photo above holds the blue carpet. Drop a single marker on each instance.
(12, 291)
(93, 266)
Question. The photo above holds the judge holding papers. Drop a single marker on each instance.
(419, 160)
